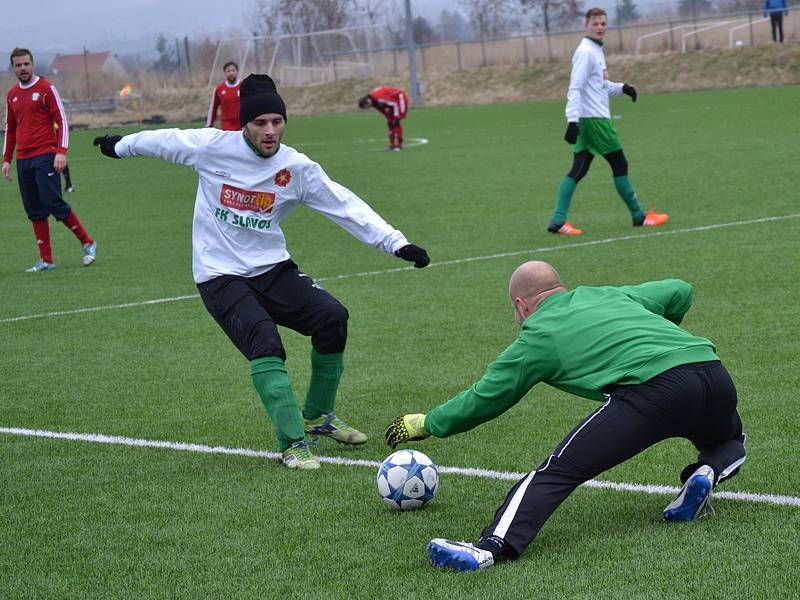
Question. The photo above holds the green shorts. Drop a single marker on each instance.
(597, 135)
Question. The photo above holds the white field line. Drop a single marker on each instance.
(444, 263)
(98, 438)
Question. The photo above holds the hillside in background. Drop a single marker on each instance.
(650, 74)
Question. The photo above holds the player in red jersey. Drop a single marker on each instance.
(392, 103)
(33, 107)
(226, 99)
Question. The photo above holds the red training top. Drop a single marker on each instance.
(391, 102)
(226, 98)
(31, 111)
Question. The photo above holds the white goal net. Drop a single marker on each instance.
(304, 59)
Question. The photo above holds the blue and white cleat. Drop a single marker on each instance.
(89, 253)
(460, 556)
(692, 502)
(41, 265)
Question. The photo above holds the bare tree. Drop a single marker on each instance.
(371, 11)
(489, 18)
(694, 8)
(395, 19)
(555, 14)
(627, 11)
(737, 6)
(453, 26)
(422, 31)
(275, 17)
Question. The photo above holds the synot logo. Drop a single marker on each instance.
(240, 199)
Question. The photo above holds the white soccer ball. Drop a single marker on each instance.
(407, 480)
(739, 43)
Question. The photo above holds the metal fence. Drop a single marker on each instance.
(717, 31)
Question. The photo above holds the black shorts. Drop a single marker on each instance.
(249, 309)
(40, 186)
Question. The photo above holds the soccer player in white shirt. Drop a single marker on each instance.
(249, 183)
(591, 131)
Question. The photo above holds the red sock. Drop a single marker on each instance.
(73, 222)
(41, 229)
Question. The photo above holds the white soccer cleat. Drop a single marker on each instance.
(89, 253)
(461, 556)
(40, 266)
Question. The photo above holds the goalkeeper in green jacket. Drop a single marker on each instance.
(619, 345)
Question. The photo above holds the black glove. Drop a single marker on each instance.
(571, 136)
(629, 90)
(107, 143)
(414, 254)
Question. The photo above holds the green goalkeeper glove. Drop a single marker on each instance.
(405, 429)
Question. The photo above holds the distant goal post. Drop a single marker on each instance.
(306, 58)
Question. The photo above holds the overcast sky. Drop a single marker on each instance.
(124, 26)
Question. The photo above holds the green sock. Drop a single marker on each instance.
(272, 384)
(326, 370)
(627, 193)
(564, 198)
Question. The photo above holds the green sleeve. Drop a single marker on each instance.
(670, 298)
(505, 382)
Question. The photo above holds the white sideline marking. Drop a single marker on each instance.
(98, 308)
(99, 438)
(444, 263)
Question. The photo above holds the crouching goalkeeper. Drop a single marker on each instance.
(622, 346)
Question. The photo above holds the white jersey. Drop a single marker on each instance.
(589, 87)
(242, 198)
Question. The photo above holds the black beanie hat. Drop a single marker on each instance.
(257, 96)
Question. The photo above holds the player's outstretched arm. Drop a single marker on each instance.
(405, 429)
(415, 254)
(107, 143)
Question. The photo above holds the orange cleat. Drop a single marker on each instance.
(565, 229)
(654, 219)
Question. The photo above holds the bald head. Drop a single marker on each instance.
(530, 285)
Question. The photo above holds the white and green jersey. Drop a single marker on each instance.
(589, 87)
(243, 197)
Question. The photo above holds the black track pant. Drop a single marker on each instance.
(249, 310)
(776, 20)
(695, 401)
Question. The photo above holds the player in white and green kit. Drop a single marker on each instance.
(591, 131)
(249, 183)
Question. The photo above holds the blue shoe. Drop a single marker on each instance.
(41, 266)
(89, 253)
(460, 556)
(692, 502)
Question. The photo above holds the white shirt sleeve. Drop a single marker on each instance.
(179, 146)
(347, 210)
(615, 89)
(581, 68)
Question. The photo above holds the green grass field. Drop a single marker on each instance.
(88, 520)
